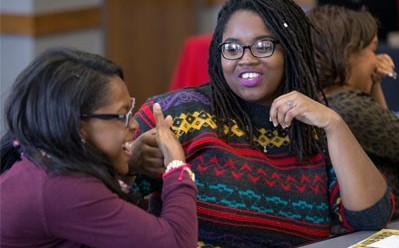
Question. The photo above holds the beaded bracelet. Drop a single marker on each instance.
(124, 187)
(179, 165)
(174, 164)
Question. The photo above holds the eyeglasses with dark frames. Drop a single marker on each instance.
(127, 117)
(262, 48)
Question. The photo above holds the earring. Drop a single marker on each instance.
(83, 141)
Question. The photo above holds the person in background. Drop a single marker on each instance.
(70, 124)
(387, 12)
(275, 167)
(350, 73)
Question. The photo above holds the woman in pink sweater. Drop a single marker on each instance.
(66, 153)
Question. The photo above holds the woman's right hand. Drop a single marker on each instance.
(167, 141)
(147, 157)
(384, 67)
(295, 105)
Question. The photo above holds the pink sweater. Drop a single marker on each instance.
(42, 210)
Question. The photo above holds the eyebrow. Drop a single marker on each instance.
(123, 107)
(255, 39)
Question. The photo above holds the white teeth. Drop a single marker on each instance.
(128, 145)
(250, 75)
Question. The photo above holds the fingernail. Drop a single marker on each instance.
(156, 105)
(275, 124)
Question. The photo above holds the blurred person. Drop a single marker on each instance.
(350, 73)
(387, 12)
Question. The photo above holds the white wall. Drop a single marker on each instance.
(16, 51)
(44, 6)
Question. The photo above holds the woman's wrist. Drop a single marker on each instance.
(334, 122)
(179, 165)
(174, 164)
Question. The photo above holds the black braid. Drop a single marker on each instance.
(299, 73)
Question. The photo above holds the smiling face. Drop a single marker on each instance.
(112, 136)
(363, 66)
(252, 79)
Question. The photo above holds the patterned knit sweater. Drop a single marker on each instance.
(248, 197)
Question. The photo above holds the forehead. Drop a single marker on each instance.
(118, 94)
(245, 25)
(118, 88)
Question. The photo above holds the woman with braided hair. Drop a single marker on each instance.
(274, 166)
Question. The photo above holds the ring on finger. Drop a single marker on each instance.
(290, 105)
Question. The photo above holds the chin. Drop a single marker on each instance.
(251, 96)
(122, 170)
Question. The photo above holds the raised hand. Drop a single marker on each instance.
(295, 105)
(384, 67)
(167, 141)
(155, 148)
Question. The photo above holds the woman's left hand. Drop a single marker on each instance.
(295, 105)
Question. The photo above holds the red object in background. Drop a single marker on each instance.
(192, 67)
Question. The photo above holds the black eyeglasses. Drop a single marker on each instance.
(261, 49)
(125, 117)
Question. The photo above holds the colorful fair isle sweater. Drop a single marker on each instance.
(248, 197)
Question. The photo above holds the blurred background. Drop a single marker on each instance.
(144, 36)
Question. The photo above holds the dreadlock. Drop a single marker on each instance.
(286, 20)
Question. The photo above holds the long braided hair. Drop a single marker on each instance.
(286, 20)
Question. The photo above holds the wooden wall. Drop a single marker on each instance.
(145, 38)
